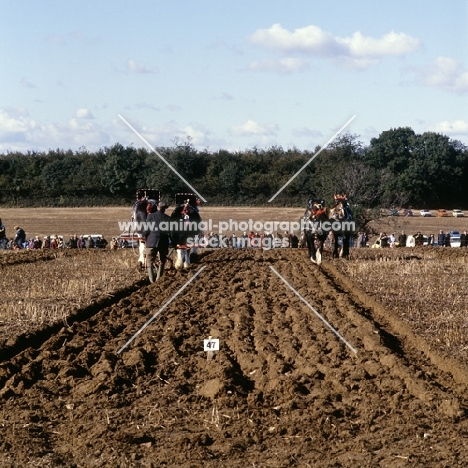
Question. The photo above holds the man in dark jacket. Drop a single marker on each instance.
(402, 239)
(418, 238)
(157, 240)
(20, 238)
(441, 239)
(463, 239)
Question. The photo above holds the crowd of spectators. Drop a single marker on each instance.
(418, 239)
(210, 240)
(215, 240)
(20, 241)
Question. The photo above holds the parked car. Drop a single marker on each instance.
(393, 212)
(458, 213)
(442, 212)
(425, 213)
(408, 213)
(128, 241)
(455, 240)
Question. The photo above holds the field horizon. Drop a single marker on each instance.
(105, 220)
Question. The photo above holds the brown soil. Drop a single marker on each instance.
(282, 391)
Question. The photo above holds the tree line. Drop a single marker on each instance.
(399, 168)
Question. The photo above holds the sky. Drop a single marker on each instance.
(228, 74)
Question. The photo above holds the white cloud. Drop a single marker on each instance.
(357, 51)
(170, 132)
(253, 128)
(135, 67)
(196, 136)
(284, 65)
(20, 132)
(455, 128)
(310, 39)
(389, 44)
(84, 114)
(446, 73)
(14, 124)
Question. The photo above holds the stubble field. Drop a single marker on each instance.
(282, 391)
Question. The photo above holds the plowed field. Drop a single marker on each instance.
(283, 390)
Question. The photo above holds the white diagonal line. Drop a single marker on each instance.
(314, 311)
(160, 156)
(311, 159)
(161, 309)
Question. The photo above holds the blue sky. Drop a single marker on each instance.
(229, 74)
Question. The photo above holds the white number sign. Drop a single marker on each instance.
(211, 345)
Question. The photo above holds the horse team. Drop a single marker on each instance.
(319, 225)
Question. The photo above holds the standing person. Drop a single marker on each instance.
(441, 239)
(418, 239)
(37, 243)
(402, 239)
(157, 240)
(114, 243)
(20, 238)
(463, 239)
(103, 242)
(72, 242)
(294, 241)
(80, 243)
(447, 239)
(364, 239)
(383, 240)
(359, 239)
(89, 243)
(233, 241)
(3, 237)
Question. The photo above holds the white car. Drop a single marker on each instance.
(425, 213)
(458, 213)
(455, 239)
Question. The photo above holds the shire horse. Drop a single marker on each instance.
(319, 225)
(185, 228)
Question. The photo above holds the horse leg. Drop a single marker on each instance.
(345, 248)
(310, 245)
(142, 257)
(179, 261)
(335, 251)
(319, 253)
(186, 258)
(194, 255)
